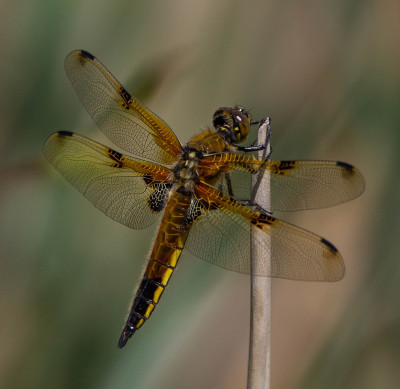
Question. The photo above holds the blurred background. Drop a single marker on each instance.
(328, 75)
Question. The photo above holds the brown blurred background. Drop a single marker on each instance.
(327, 72)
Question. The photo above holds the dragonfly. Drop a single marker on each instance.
(195, 190)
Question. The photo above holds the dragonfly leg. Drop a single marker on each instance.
(253, 146)
(229, 183)
(258, 208)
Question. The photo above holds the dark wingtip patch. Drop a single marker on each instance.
(65, 133)
(156, 202)
(345, 165)
(86, 54)
(329, 245)
(348, 171)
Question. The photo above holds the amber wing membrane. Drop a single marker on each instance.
(224, 231)
(127, 122)
(128, 190)
(295, 185)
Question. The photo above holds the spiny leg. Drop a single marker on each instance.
(263, 146)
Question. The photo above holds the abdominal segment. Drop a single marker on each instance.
(167, 249)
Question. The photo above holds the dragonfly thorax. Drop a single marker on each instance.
(185, 170)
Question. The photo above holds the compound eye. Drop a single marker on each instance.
(233, 123)
(242, 124)
(241, 109)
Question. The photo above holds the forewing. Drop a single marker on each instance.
(301, 185)
(129, 191)
(294, 185)
(119, 115)
(225, 233)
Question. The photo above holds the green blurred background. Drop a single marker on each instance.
(327, 72)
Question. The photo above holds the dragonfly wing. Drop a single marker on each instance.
(224, 233)
(294, 185)
(129, 191)
(222, 239)
(301, 185)
(128, 123)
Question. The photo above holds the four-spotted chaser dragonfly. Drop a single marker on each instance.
(190, 189)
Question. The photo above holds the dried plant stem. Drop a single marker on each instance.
(260, 313)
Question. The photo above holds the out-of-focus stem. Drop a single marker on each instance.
(260, 313)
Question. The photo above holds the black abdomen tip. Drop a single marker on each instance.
(125, 336)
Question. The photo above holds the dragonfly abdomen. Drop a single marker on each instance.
(170, 240)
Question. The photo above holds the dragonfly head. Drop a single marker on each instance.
(233, 124)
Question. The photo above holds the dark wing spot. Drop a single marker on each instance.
(116, 156)
(148, 180)
(65, 133)
(263, 219)
(86, 54)
(192, 215)
(345, 165)
(329, 245)
(197, 206)
(125, 95)
(286, 165)
(158, 198)
(348, 170)
(208, 205)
